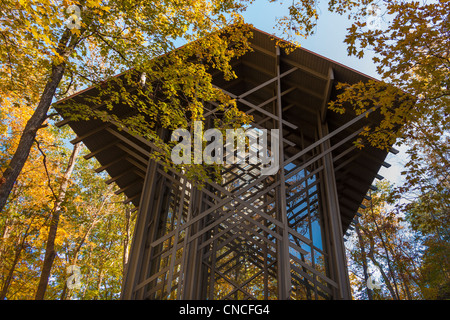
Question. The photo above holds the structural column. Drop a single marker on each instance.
(284, 266)
(330, 204)
(134, 265)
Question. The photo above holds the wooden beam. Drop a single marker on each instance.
(318, 96)
(329, 136)
(128, 186)
(136, 164)
(284, 270)
(94, 153)
(128, 200)
(326, 95)
(265, 51)
(133, 154)
(90, 133)
(267, 83)
(115, 178)
(109, 164)
(129, 142)
(304, 68)
(251, 105)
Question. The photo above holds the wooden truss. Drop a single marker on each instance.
(254, 236)
(251, 236)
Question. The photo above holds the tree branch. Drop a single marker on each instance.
(46, 169)
(109, 45)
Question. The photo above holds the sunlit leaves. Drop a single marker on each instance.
(384, 244)
(412, 56)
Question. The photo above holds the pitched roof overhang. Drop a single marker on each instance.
(305, 93)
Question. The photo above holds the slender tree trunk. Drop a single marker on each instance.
(385, 277)
(364, 260)
(8, 280)
(28, 135)
(405, 284)
(74, 261)
(75, 254)
(66, 44)
(371, 255)
(126, 239)
(384, 245)
(77, 250)
(64, 292)
(5, 235)
(99, 283)
(50, 252)
(88, 279)
(9, 277)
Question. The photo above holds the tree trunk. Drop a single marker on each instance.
(126, 239)
(9, 277)
(50, 247)
(406, 286)
(364, 260)
(99, 283)
(385, 247)
(28, 135)
(75, 255)
(371, 255)
(385, 277)
(66, 44)
(5, 235)
(77, 250)
(8, 280)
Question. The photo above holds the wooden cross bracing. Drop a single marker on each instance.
(253, 236)
(250, 236)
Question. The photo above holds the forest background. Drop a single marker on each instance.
(58, 211)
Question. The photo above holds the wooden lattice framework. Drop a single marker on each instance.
(253, 236)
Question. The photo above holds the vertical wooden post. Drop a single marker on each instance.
(284, 271)
(134, 265)
(331, 206)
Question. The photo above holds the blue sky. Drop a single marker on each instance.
(328, 41)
